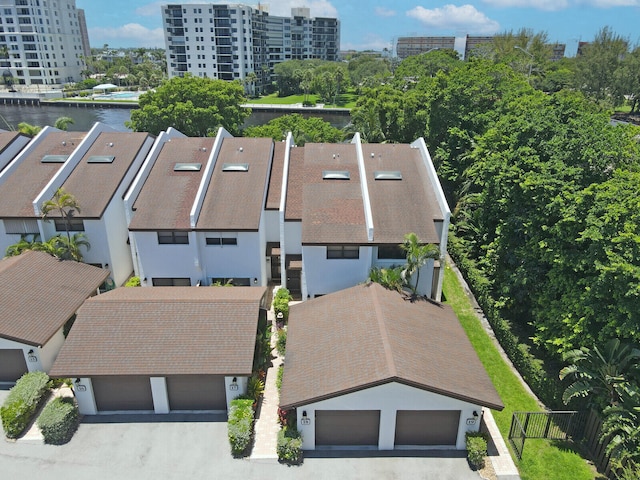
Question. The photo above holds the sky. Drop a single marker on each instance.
(375, 24)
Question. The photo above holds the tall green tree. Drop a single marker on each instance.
(195, 106)
(64, 204)
(312, 129)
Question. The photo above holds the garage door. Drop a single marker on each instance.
(122, 393)
(12, 365)
(196, 392)
(427, 427)
(347, 427)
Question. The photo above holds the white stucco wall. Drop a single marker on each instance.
(84, 396)
(156, 260)
(244, 260)
(160, 394)
(292, 238)
(117, 234)
(271, 225)
(388, 398)
(233, 391)
(324, 275)
(42, 358)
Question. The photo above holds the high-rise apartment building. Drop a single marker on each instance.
(238, 42)
(41, 41)
(408, 46)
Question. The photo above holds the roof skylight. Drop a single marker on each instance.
(187, 167)
(235, 167)
(54, 158)
(336, 175)
(387, 175)
(101, 159)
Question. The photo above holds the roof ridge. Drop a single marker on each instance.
(393, 372)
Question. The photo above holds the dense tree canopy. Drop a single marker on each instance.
(195, 106)
(312, 129)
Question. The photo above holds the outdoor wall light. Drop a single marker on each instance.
(255, 281)
(30, 352)
(304, 414)
(234, 384)
(145, 279)
(475, 414)
(77, 380)
(305, 420)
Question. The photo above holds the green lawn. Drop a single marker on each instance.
(344, 100)
(542, 459)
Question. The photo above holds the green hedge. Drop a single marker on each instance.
(544, 385)
(58, 421)
(240, 426)
(476, 449)
(281, 303)
(22, 402)
(281, 342)
(289, 445)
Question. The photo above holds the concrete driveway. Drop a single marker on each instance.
(174, 446)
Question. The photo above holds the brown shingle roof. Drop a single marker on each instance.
(94, 184)
(163, 331)
(234, 200)
(29, 179)
(332, 211)
(275, 180)
(167, 197)
(39, 293)
(400, 206)
(6, 140)
(367, 335)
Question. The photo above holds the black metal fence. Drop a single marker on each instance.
(584, 427)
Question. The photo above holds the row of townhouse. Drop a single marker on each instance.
(181, 211)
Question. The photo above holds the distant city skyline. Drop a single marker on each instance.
(375, 25)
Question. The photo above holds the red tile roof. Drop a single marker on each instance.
(163, 331)
(366, 335)
(39, 293)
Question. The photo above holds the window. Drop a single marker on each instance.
(165, 238)
(171, 282)
(336, 175)
(75, 225)
(390, 252)
(343, 251)
(26, 226)
(222, 241)
(236, 282)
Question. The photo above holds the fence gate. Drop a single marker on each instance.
(561, 425)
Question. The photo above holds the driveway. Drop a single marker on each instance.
(175, 446)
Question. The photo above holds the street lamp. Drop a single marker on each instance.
(530, 63)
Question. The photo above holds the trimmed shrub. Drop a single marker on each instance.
(240, 426)
(58, 421)
(281, 303)
(281, 342)
(476, 449)
(279, 377)
(133, 282)
(289, 446)
(22, 402)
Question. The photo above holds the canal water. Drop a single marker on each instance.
(84, 117)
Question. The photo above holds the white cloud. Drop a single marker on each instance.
(384, 12)
(611, 3)
(549, 5)
(130, 35)
(150, 9)
(450, 17)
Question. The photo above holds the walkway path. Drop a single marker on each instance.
(267, 425)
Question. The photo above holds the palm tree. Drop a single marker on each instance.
(68, 248)
(601, 373)
(63, 203)
(28, 129)
(390, 278)
(620, 429)
(25, 243)
(418, 254)
(62, 123)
